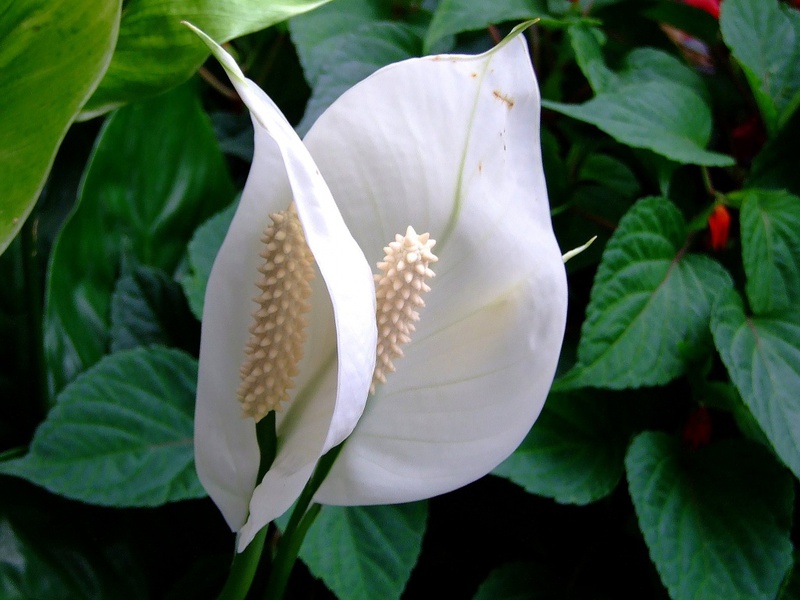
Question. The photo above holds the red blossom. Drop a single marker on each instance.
(697, 431)
(710, 6)
(719, 224)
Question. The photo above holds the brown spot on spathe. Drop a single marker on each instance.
(509, 102)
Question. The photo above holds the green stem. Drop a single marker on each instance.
(301, 520)
(267, 437)
(243, 568)
(707, 181)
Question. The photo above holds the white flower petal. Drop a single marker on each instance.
(337, 368)
(450, 145)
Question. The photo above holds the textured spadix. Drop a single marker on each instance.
(335, 372)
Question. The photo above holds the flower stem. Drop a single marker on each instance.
(243, 567)
(301, 520)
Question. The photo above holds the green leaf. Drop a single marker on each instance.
(365, 552)
(716, 521)
(791, 587)
(148, 307)
(611, 173)
(39, 566)
(155, 52)
(317, 34)
(520, 581)
(764, 36)
(668, 118)
(357, 55)
(53, 54)
(120, 434)
(202, 251)
(762, 355)
(149, 184)
(575, 451)
(587, 45)
(770, 222)
(648, 64)
(455, 16)
(649, 301)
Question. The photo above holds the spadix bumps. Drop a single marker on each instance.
(278, 331)
(445, 145)
(399, 289)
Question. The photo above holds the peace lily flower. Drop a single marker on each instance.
(435, 166)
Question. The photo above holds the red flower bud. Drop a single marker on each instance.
(719, 224)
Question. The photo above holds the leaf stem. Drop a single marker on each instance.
(707, 181)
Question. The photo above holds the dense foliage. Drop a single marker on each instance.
(664, 464)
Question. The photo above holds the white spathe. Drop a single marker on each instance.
(336, 371)
(448, 145)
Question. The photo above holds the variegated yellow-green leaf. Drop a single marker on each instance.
(52, 56)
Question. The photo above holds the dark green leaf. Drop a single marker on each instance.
(775, 167)
(576, 449)
(53, 54)
(318, 33)
(665, 117)
(611, 173)
(587, 45)
(155, 175)
(520, 581)
(121, 434)
(770, 223)
(791, 587)
(156, 52)
(202, 251)
(762, 355)
(650, 299)
(356, 55)
(455, 16)
(59, 569)
(148, 307)
(365, 552)
(716, 520)
(764, 36)
(648, 64)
